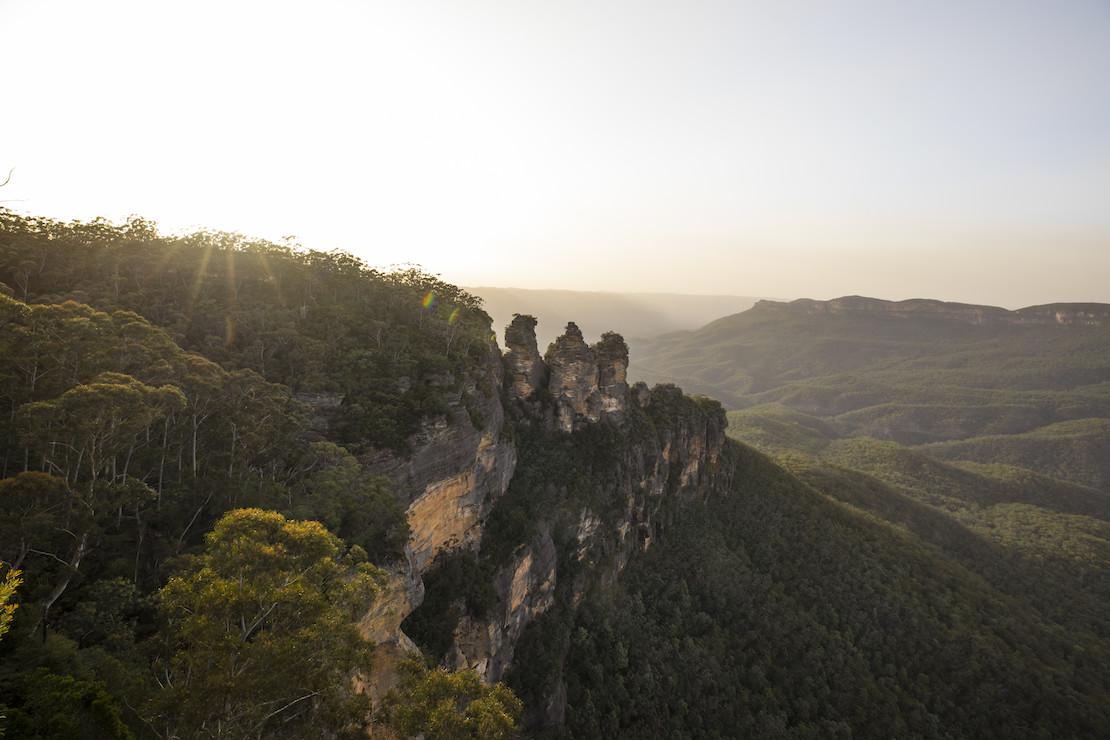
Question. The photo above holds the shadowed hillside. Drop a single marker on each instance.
(248, 489)
(1028, 387)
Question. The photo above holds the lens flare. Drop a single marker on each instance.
(430, 299)
(454, 315)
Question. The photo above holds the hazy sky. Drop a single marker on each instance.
(897, 149)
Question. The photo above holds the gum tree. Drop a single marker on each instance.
(260, 634)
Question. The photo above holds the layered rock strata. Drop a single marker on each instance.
(527, 371)
(585, 384)
(449, 484)
(456, 472)
(1060, 314)
(680, 459)
(574, 380)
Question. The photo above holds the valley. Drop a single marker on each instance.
(255, 491)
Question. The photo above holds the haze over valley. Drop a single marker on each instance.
(782, 150)
(822, 517)
(780, 406)
(639, 315)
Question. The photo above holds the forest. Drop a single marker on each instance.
(179, 529)
(895, 541)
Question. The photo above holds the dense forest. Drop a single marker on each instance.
(151, 423)
(192, 525)
(981, 450)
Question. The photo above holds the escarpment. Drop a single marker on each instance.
(549, 497)
(602, 469)
(1058, 314)
(449, 483)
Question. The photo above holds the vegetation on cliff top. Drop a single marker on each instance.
(155, 455)
(148, 386)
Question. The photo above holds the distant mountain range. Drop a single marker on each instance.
(908, 534)
(633, 315)
(1071, 314)
(1029, 388)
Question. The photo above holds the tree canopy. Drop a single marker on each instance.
(261, 633)
(441, 705)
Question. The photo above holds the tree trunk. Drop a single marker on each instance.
(61, 585)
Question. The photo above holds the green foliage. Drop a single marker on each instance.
(457, 584)
(63, 706)
(262, 633)
(362, 509)
(309, 320)
(439, 705)
(8, 606)
(803, 617)
(147, 387)
(777, 428)
(1035, 396)
(1076, 451)
(81, 434)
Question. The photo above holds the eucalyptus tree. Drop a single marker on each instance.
(260, 635)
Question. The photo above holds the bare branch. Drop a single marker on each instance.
(2, 184)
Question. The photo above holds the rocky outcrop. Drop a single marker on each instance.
(573, 382)
(449, 484)
(456, 472)
(584, 384)
(1066, 314)
(1062, 314)
(612, 376)
(527, 372)
(642, 481)
(524, 590)
(448, 446)
(324, 410)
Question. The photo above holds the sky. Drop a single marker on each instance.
(895, 149)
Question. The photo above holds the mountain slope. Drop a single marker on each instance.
(776, 610)
(926, 373)
(597, 543)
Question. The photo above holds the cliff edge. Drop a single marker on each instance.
(1062, 314)
(598, 466)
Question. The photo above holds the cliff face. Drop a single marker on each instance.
(668, 448)
(660, 447)
(449, 484)
(682, 460)
(527, 371)
(1062, 314)
(586, 384)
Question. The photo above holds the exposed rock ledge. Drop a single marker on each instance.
(456, 472)
(1061, 314)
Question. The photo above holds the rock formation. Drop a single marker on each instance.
(449, 484)
(526, 369)
(573, 382)
(456, 472)
(612, 376)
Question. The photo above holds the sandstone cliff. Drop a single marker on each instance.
(449, 484)
(621, 459)
(1062, 314)
(527, 371)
